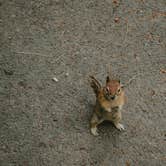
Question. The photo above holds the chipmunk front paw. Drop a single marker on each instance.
(109, 109)
(119, 126)
(94, 131)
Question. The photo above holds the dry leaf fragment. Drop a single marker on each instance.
(162, 70)
(115, 1)
(117, 19)
(156, 14)
(152, 92)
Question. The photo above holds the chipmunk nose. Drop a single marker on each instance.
(113, 97)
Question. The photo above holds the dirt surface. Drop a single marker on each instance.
(45, 122)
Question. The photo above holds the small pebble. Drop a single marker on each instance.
(67, 74)
(55, 79)
(13, 15)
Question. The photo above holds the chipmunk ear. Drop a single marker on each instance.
(107, 79)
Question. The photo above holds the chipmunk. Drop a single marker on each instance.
(109, 101)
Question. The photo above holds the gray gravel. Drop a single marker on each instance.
(45, 122)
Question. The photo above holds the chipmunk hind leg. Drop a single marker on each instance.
(93, 124)
(116, 120)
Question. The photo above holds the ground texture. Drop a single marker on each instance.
(46, 123)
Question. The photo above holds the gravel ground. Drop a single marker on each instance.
(45, 122)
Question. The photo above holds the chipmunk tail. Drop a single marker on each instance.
(96, 86)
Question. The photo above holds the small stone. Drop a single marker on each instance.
(67, 74)
(55, 79)
(13, 15)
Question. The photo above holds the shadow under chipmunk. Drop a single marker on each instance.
(109, 102)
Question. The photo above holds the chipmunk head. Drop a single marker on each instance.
(112, 89)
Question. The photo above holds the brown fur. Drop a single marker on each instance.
(109, 101)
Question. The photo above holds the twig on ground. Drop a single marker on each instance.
(31, 53)
(38, 54)
(126, 31)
